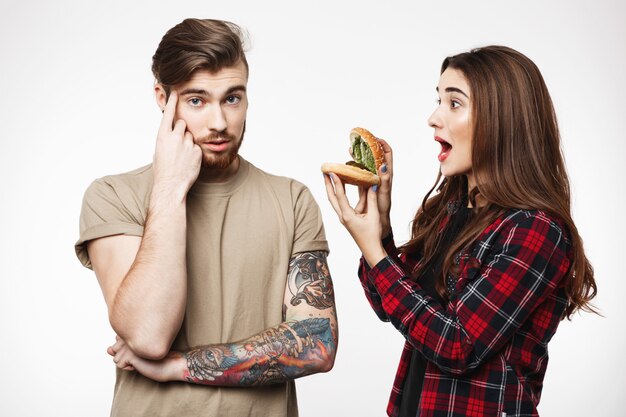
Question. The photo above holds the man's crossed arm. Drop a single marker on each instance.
(304, 343)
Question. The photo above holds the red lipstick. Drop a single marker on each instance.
(445, 149)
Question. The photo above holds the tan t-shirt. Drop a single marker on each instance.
(240, 237)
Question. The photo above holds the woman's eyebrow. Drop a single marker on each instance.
(454, 90)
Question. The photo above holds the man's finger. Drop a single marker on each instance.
(188, 137)
(179, 127)
(116, 346)
(168, 113)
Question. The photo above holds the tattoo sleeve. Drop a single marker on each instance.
(309, 280)
(288, 351)
(294, 348)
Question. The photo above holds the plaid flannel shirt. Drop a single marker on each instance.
(486, 350)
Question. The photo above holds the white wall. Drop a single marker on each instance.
(76, 103)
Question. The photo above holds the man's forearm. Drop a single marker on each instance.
(149, 306)
(290, 350)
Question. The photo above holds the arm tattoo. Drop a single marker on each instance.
(308, 279)
(290, 350)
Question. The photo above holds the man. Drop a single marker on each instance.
(213, 271)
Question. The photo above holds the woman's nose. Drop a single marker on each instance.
(434, 120)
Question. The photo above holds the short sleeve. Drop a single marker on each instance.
(103, 213)
(309, 232)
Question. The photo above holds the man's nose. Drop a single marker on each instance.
(216, 119)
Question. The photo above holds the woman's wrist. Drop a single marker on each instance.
(385, 227)
(374, 255)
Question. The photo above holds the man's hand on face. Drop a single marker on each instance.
(177, 159)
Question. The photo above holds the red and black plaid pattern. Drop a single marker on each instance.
(487, 349)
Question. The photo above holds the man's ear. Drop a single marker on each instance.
(160, 95)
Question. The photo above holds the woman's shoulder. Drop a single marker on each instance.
(527, 222)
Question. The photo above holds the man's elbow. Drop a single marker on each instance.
(147, 345)
(152, 350)
(327, 361)
(327, 364)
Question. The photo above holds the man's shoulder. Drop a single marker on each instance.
(277, 181)
(135, 185)
(139, 176)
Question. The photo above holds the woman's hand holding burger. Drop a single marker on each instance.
(369, 220)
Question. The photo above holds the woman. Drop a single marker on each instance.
(494, 261)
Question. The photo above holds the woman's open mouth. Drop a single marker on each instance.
(445, 149)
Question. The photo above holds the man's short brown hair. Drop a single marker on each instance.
(197, 44)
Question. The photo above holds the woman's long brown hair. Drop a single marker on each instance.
(516, 160)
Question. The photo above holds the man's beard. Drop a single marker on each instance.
(224, 159)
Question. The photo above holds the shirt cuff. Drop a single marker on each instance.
(390, 246)
(385, 273)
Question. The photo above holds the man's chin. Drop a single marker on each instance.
(211, 160)
(218, 161)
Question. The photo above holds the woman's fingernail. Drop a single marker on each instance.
(383, 169)
(375, 188)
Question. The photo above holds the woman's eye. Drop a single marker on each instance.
(438, 101)
(233, 99)
(455, 104)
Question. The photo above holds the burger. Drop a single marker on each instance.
(367, 156)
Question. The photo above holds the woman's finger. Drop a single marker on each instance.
(385, 179)
(342, 200)
(330, 191)
(361, 206)
(388, 154)
(372, 201)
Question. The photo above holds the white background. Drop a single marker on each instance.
(76, 104)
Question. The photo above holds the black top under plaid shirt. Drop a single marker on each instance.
(486, 350)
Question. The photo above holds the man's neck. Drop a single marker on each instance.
(219, 174)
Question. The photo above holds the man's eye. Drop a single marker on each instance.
(195, 101)
(233, 99)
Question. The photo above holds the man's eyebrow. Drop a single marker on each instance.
(453, 90)
(198, 91)
(234, 88)
(203, 92)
